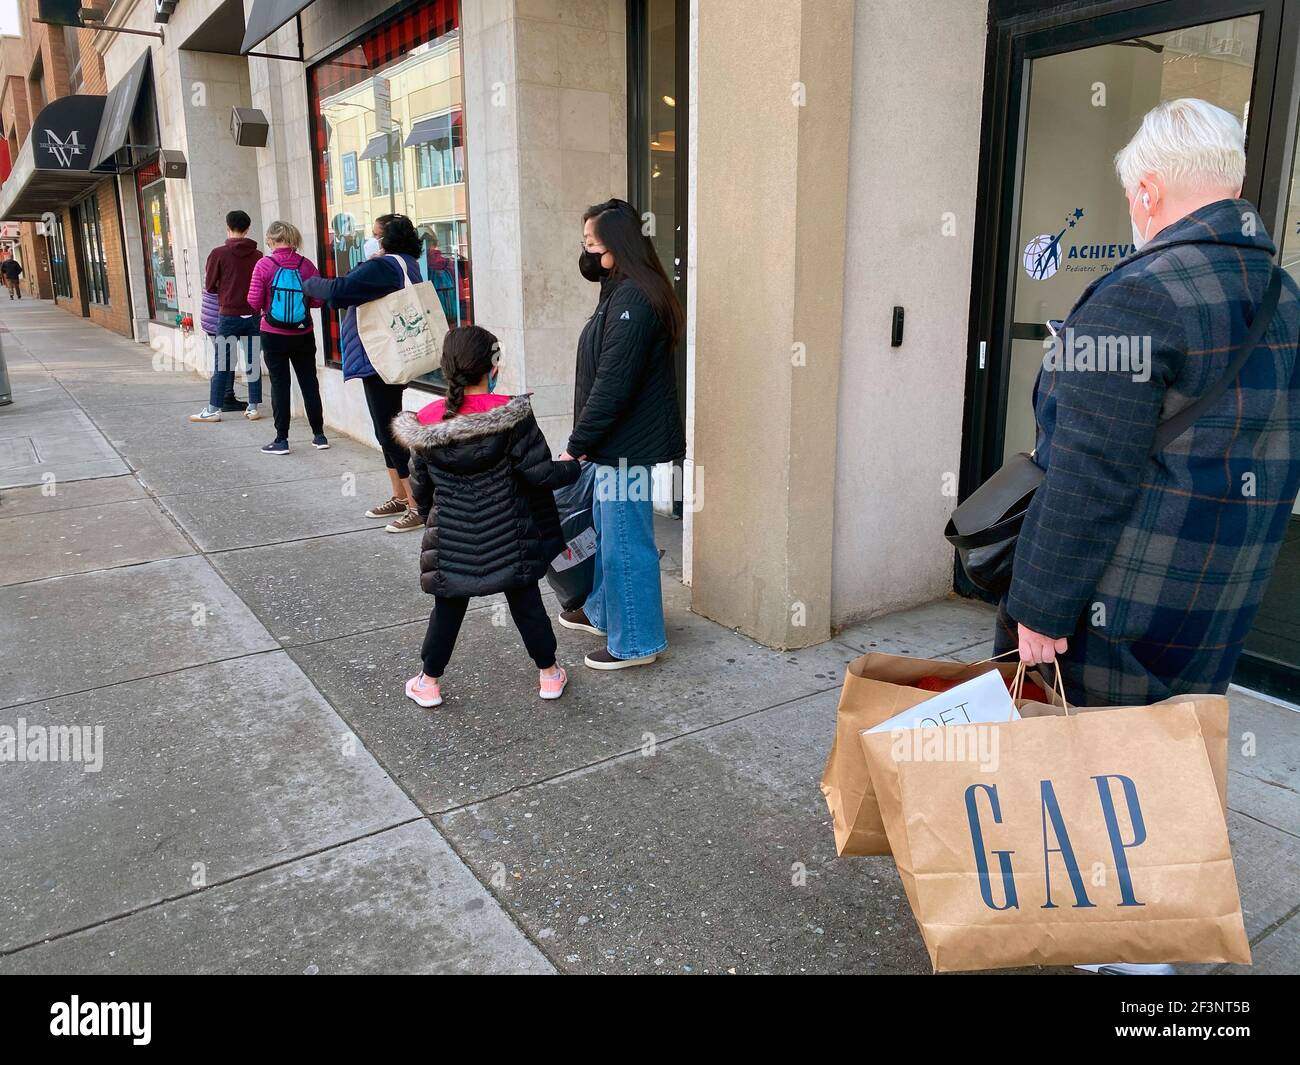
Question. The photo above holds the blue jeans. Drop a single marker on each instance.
(223, 374)
(626, 600)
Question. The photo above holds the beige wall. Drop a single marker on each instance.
(917, 73)
(771, 165)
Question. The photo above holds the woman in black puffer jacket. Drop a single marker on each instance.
(625, 419)
(482, 479)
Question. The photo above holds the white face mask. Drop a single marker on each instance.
(1139, 236)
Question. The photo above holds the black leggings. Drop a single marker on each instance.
(280, 352)
(526, 607)
(385, 403)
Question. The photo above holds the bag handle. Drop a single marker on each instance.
(401, 268)
(1018, 681)
(1174, 427)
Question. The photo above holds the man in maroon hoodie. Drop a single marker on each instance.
(229, 271)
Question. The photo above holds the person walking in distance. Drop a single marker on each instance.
(287, 338)
(12, 270)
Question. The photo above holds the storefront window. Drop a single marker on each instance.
(402, 79)
(160, 268)
(59, 258)
(91, 235)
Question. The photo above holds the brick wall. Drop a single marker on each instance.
(116, 315)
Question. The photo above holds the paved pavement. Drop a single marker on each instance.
(270, 802)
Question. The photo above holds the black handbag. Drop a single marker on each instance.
(985, 526)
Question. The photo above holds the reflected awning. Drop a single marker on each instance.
(53, 165)
(435, 129)
(380, 144)
(266, 17)
(119, 107)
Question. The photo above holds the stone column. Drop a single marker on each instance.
(770, 161)
(545, 98)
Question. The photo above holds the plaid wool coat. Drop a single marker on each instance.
(1154, 566)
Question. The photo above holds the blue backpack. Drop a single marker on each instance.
(288, 308)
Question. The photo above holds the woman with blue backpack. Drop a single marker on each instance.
(373, 279)
(287, 338)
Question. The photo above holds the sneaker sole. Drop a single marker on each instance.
(385, 517)
(551, 695)
(203, 421)
(325, 447)
(576, 627)
(427, 704)
(621, 663)
(276, 452)
(395, 529)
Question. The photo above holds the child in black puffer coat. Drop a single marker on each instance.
(482, 478)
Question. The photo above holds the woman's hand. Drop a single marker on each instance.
(1035, 647)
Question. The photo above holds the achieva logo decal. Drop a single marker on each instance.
(1044, 255)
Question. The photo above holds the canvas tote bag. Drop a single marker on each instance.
(1063, 839)
(402, 332)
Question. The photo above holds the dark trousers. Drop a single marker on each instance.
(526, 607)
(385, 403)
(299, 352)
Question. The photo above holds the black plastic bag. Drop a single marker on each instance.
(572, 572)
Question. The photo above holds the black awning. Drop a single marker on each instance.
(119, 108)
(437, 128)
(266, 17)
(54, 164)
(381, 143)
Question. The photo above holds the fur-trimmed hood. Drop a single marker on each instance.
(414, 435)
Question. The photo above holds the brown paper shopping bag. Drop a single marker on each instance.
(1060, 840)
(1211, 713)
(876, 687)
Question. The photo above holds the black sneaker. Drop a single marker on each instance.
(319, 442)
(577, 619)
(276, 447)
(231, 405)
(602, 659)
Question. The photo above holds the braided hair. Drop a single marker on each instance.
(469, 354)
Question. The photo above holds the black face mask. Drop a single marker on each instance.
(590, 268)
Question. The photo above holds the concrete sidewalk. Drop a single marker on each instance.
(269, 800)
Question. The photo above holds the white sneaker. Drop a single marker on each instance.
(251, 414)
(207, 414)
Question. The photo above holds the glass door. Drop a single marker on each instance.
(1065, 97)
(1084, 105)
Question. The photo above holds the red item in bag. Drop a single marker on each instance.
(1030, 691)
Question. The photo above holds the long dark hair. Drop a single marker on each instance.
(468, 355)
(400, 236)
(618, 227)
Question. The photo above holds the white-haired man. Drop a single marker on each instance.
(1141, 563)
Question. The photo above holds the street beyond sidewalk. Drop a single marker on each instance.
(269, 801)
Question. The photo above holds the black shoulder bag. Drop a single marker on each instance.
(985, 526)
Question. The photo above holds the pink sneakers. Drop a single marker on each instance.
(552, 687)
(424, 691)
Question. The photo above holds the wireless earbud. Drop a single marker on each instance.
(1146, 200)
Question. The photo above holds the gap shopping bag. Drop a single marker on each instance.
(1062, 839)
(876, 687)
(402, 332)
(573, 570)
